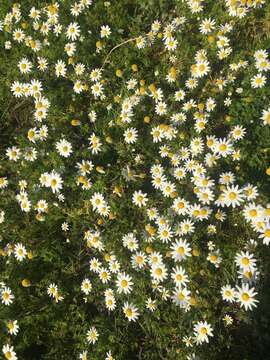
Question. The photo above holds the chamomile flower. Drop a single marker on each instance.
(159, 272)
(25, 66)
(73, 31)
(139, 198)
(13, 153)
(130, 135)
(245, 261)
(266, 116)
(64, 148)
(6, 296)
(228, 293)
(246, 296)
(207, 26)
(130, 311)
(86, 286)
(202, 68)
(180, 250)
(124, 283)
(54, 181)
(105, 31)
(13, 327)
(258, 81)
(52, 290)
(9, 353)
(181, 296)
(202, 331)
(223, 147)
(20, 252)
(233, 196)
(265, 233)
(60, 68)
(92, 335)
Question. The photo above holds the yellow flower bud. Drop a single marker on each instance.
(98, 44)
(182, 135)
(173, 72)
(200, 106)
(134, 67)
(173, 195)
(75, 122)
(152, 88)
(71, 60)
(210, 39)
(195, 252)
(149, 250)
(81, 179)
(147, 119)
(107, 257)
(100, 169)
(142, 90)
(100, 221)
(2, 252)
(111, 216)
(192, 301)
(39, 217)
(164, 127)
(151, 231)
(268, 171)
(24, 25)
(26, 283)
(248, 99)
(118, 73)
(109, 140)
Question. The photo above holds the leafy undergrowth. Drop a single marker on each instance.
(134, 179)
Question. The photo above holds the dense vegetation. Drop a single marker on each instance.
(134, 179)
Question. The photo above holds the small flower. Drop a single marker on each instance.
(92, 335)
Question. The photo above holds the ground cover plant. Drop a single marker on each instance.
(134, 179)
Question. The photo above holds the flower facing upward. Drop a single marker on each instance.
(202, 331)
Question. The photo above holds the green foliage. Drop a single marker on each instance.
(57, 330)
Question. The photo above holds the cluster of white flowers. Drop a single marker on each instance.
(180, 180)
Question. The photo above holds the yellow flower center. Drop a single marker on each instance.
(5, 296)
(124, 283)
(8, 355)
(267, 233)
(253, 212)
(128, 312)
(203, 331)
(245, 261)
(181, 296)
(180, 250)
(53, 182)
(213, 258)
(223, 147)
(232, 195)
(245, 297)
(104, 275)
